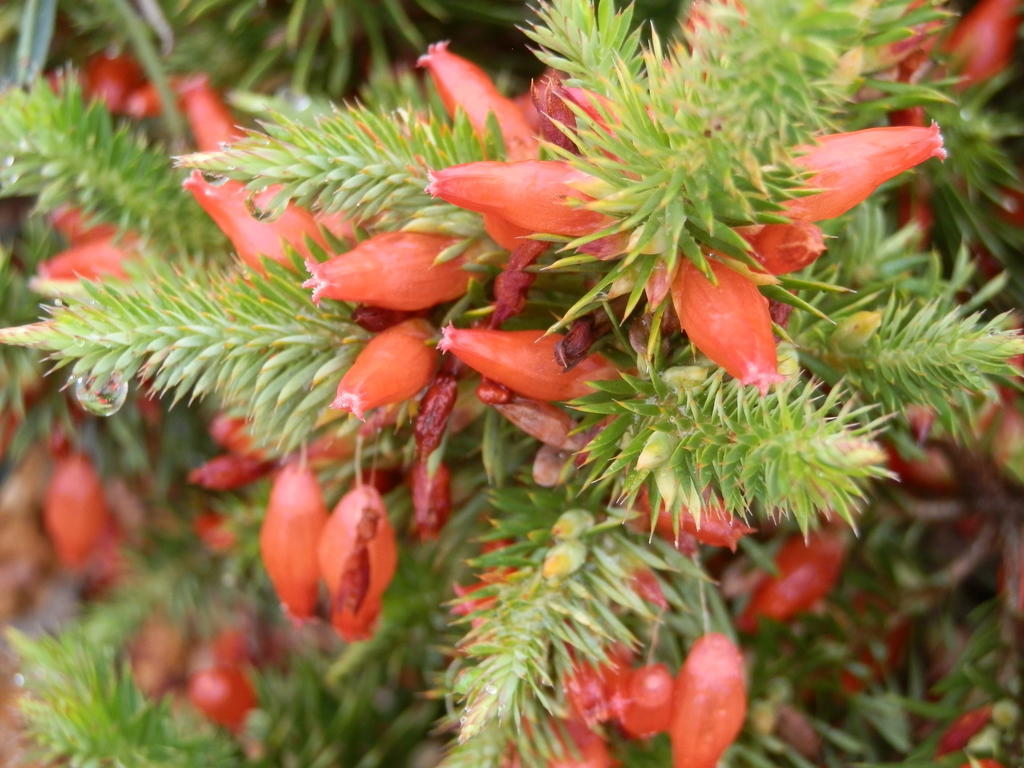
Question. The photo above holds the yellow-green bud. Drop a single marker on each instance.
(1005, 713)
(656, 451)
(862, 453)
(985, 742)
(564, 558)
(668, 484)
(855, 331)
(572, 524)
(683, 377)
(762, 716)
(788, 360)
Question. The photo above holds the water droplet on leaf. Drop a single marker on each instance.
(101, 395)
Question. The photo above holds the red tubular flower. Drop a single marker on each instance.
(394, 270)
(225, 204)
(89, 260)
(535, 195)
(357, 557)
(393, 366)
(111, 79)
(718, 528)
(229, 471)
(213, 531)
(783, 248)
(648, 694)
(208, 116)
(296, 515)
(962, 730)
(849, 166)
(507, 235)
(729, 322)
(981, 45)
(75, 512)
(232, 435)
(709, 703)
(591, 748)
(807, 571)
(71, 223)
(524, 361)
(463, 85)
(595, 693)
(224, 694)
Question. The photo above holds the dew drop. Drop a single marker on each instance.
(101, 395)
(491, 690)
(258, 213)
(9, 161)
(18, 679)
(214, 179)
(223, 146)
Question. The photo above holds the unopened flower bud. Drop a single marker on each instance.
(1005, 713)
(656, 451)
(563, 559)
(668, 484)
(683, 377)
(789, 360)
(462, 85)
(572, 524)
(848, 167)
(524, 361)
(856, 330)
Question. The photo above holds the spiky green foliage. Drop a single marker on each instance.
(258, 342)
(86, 710)
(370, 166)
(537, 621)
(63, 150)
(754, 84)
(797, 451)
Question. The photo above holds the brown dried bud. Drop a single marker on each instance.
(431, 499)
(377, 319)
(435, 407)
(549, 97)
(574, 346)
(544, 421)
(493, 393)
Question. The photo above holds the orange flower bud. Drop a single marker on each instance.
(229, 471)
(213, 530)
(232, 435)
(224, 694)
(296, 515)
(111, 79)
(394, 366)
(783, 248)
(225, 204)
(71, 223)
(357, 557)
(208, 116)
(849, 166)
(524, 361)
(394, 270)
(463, 85)
(718, 528)
(728, 322)
(89, 260)
(981, 45)
(709, 702)
(648, 694)
(807, 571)
(506, 235)
(75, 510)
(535, 195)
